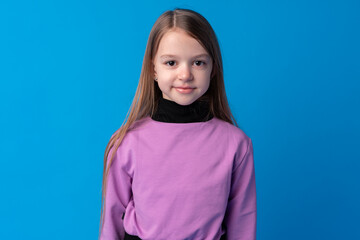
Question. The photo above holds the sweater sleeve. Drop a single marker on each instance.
(118, 193)
(240, 217)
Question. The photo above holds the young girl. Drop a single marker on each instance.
(179, 168)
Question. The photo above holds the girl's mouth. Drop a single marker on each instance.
(184, 90)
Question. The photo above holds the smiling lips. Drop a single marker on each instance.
(184, 90)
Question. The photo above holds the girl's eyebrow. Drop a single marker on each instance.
(174, 56)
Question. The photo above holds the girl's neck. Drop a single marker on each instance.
(170, 111)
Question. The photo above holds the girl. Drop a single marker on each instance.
(179, 168)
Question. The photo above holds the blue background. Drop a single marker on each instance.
(69, 71)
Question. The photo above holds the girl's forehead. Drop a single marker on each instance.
(178, 42)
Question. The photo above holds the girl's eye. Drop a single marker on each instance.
(170, 63)
(199, 63)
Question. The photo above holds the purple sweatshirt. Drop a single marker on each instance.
(177, 181)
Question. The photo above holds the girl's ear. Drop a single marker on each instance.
(212, 74)
(212, 71)
(155, 74)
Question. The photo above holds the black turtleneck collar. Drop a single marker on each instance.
(170, 111)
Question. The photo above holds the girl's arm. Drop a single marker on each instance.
(118, 194)
(240, 217)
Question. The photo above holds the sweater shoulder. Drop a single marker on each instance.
(127, 145)
(130, 136)
(134, 127)
(236, 133)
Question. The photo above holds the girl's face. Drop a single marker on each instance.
(182, 67)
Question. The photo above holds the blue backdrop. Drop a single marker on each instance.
(69, 71)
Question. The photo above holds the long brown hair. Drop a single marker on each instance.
(148, 93)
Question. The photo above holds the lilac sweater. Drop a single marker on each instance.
(177, 181)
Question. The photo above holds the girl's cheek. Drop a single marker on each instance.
(167, 75)
(167, 72)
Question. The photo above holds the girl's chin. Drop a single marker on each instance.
(184, 102)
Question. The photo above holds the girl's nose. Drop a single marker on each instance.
(185, 72)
